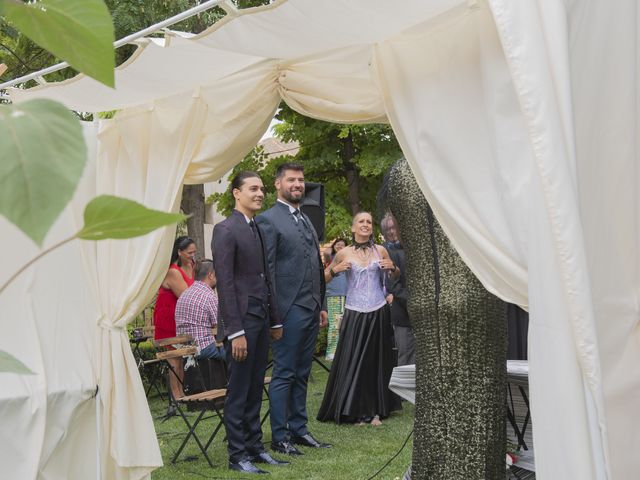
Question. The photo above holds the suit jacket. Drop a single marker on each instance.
(240, 271)
(398, 287)
(285, 254)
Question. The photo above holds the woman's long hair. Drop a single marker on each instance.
(181, 243)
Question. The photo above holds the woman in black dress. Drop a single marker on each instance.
(357, 389)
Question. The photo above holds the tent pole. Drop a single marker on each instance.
(128, 39)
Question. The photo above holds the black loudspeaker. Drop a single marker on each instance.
(312, 205)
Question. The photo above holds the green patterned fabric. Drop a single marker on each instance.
(335, 310)
(461, 344)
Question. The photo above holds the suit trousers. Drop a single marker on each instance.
(405, 343)
(292, 358)
(244, 391)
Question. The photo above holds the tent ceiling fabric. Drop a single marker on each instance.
(281, 32)
(506, 116)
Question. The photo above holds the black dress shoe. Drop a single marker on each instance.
(264, 457)
(308, 441)
(285, 447)
(245, 466)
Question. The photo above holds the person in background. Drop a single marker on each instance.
(358, 386)
(397, 294)
(249, 316)
(197, 312)
(336, 296)
(179, 277)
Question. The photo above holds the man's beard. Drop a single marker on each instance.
(290, 198)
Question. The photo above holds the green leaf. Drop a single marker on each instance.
(10, 364)
(78, 31)
(107, 216)
(42, 155)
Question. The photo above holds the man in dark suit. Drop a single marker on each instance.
(248, 318)
(397, 294)
(293, 254)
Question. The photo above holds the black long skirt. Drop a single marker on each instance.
(358, 385)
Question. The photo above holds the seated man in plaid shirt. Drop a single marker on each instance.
(197, 312)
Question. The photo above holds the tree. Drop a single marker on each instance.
(22, 56)
(133, 15)
(257, 160)
(350, 160)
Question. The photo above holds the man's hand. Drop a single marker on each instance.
(390, 298)
(239, 348)
(387, 264)
(276, 333)
(324, 318)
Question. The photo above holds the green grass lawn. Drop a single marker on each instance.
(358, 451)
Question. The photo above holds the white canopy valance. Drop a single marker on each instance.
(519, 120)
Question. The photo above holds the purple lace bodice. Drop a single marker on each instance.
(365, 291)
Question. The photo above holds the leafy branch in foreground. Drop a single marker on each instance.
(43, 156)
(105, 217)
(10, 364)
(42, 153)
(78, 31)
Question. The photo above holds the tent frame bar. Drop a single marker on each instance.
(226, 5)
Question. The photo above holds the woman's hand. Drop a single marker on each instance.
(337, 266)
(343, 266)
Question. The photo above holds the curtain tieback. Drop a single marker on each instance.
(112, 328)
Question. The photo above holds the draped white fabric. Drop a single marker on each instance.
(501, 201)
(48, 316)
(605, 71)
(519, 122)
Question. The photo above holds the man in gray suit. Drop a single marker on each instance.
(293, 253)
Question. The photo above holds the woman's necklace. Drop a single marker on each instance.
(363, 245)
(363, 253)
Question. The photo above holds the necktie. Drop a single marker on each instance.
(258, 238)
(300, 219)
(298, 216)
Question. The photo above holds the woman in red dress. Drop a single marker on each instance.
(179, 276)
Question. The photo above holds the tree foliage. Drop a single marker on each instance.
(350, 160)
(22, 56)
(257, 160)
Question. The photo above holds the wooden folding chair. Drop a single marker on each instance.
(208, 400)
(166, 350)
(204, 401)
(151, 370)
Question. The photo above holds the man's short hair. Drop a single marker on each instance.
(240, 178)
(203, 268)
(296, 167)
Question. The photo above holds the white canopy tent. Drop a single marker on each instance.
(520, 122)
